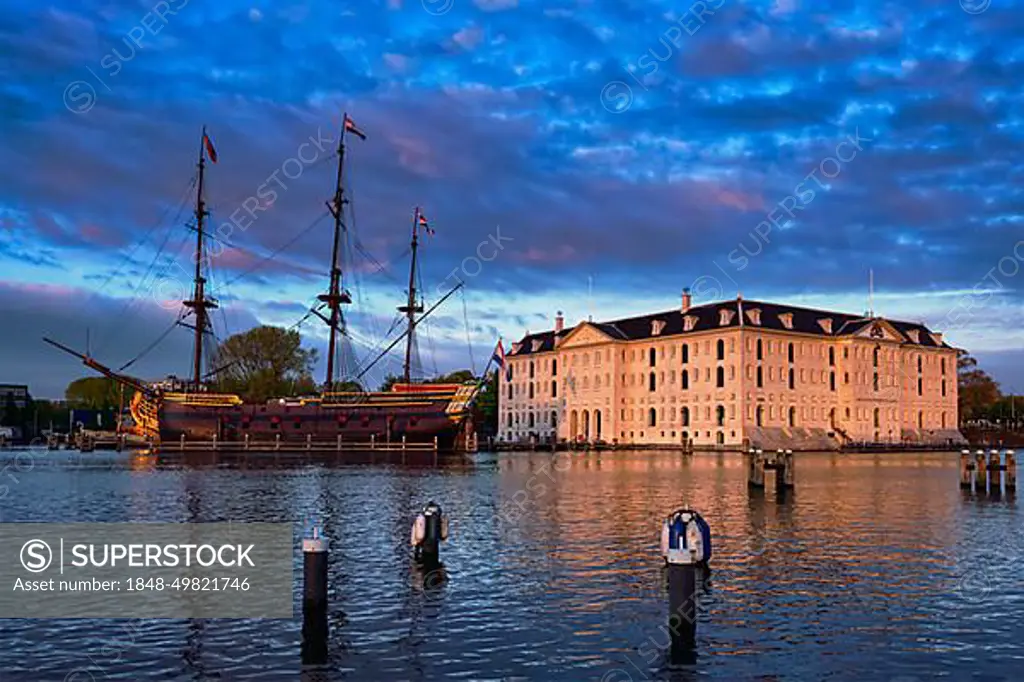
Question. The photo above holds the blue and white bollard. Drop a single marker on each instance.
(314, 598)
(686, 539)
(428, 531)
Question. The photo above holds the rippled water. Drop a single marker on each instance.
(876, 566)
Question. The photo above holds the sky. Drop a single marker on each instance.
(587, 156)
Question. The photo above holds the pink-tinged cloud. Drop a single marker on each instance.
(558, 254)
(469, 37)
(731, 198)
(416, 155)
(47, 290)
(396, 62)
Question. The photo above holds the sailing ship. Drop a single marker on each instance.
(438, 415)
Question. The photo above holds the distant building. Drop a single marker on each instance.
(18, 396)
(16, 392)
(733, 374)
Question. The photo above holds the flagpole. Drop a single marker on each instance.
(410, 309)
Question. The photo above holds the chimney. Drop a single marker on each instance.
(686, 300)
(559, 322)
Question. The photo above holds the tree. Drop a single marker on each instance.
(978, 392)
(487, 405)
(97, 393)
(265, 362)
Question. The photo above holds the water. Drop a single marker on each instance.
(877, 566)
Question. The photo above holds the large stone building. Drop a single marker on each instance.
(732, 374)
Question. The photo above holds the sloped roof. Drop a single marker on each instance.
(804, 320)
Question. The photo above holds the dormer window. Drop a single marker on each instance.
(516, 347)
(826, 324)
(754, 315)
(786, 319)
(937, 338)
(914, 335)
(657, 326)
(725, 317)
(535, 346)
(689, 322)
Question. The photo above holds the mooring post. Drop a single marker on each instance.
(428, 530)
(1011, 472)
(246, 440)
(277, 441)
(309, 441)
(787, 474)
(403, 442)
(182, 446)
(980, 472)
(339, 443)
(965, 470)
(372, 440)
(314, 598)
(755, 477)
(214, 439)
(686, 548)
(995, 469)
(435, 443)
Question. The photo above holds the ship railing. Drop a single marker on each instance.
(204, 399)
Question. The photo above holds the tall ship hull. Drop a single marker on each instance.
(439, 416)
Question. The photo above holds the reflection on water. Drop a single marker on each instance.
(876, 565)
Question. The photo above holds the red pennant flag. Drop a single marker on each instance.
(425, 225)
(210, 151)
(350, 126)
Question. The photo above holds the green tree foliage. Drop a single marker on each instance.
(487, 406)
(97, 393)
(265, 362)
(978, 392)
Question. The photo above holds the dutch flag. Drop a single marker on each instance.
(499, 355)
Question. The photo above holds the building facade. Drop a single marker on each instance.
(732, 374)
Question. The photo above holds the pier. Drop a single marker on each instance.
(992, 475)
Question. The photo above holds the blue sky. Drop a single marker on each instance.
(622, 150)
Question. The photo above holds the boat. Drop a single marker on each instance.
(171, 414)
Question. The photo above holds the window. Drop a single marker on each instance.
(918, 364)
(684, 378)
(554, 420)
(832, 381)
(877, 417)
(720, 415)
(791, 352)
(652, 384)
(846, 377)
(760, 377)
(760, 350)
(792, 381)
(720, 377)
(531, 369)
(874, 358)
(920, 420)
(531, 420)
(554, 389)
(760, 415)
(684, 414)
(876, 381)
(920, 386)
(510, 387)
(686, 353)
(721, 349)
(652, 417)
(792, 416)
(831, 357)
(943, 362)
(554, 367)
(652, 355)
(943, 388)
(531, 391)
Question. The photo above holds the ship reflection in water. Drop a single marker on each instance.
(875, 566)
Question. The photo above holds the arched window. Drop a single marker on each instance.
(554, 367)
(686, 353)
(720, 377)
(792, 416)
(791, 354)
(684, 379)
(721, 349)
(684, 414)
(652, 417)
(831, 356)
(597, 421)
(720, 415)
(652, 383)
(760, 350)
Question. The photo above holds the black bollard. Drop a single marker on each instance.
(682, 613)
(314, 599)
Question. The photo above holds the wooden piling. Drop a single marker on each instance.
(277, 441)
(980, 472)
(755, 477)
(1011, 472)
(966, 479)
(309, 441)
(182, 448)
(785, 477)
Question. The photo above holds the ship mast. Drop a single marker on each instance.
(199, 302)
(335, 296)
(411, 308)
